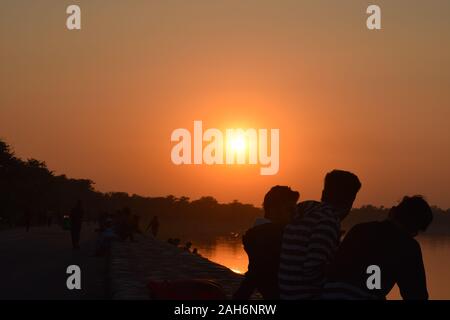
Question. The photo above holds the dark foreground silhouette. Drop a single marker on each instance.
(311, 239)
(263, 243)
(390, 245)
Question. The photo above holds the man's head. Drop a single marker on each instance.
(340, 190)
(279, 204)
(413, 214)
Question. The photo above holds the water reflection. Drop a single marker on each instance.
(228, 251)
(225, 250)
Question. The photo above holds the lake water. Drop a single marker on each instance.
(228, 251)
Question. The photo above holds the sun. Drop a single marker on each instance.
(237, 144)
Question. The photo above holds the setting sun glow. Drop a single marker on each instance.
(237, 144)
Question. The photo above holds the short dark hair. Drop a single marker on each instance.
(340, 187)
(413, 212)
(278, 196)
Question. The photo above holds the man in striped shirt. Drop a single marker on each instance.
(311, 239)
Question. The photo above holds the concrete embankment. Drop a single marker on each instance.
(133, 264)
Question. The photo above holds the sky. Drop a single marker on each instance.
(102, 102)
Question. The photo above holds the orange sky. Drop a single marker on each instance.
(101, 103)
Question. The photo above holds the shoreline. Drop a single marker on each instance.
(133, 264)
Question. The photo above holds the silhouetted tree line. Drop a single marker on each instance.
(28, 185)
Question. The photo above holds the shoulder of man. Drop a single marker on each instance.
(266, 229)
(413, 250)
(315, 210)
(261, 233)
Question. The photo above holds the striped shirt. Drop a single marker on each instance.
(309, 244)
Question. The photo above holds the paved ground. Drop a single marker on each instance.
(33, 265)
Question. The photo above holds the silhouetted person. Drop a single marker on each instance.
(154, 226)
(66, 222)
(76, 220)
(311, 239)
(263, 243)
(102, 219)
(132, 227)
(106, 236)
(28, 217)
(49, 218)
(391, 246)
(126, 224)
(136, 220)
(188, 246)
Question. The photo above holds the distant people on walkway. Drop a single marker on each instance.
(263, 242)
(105, 238)
(126, 224)
(311, 239)
(390, 245)
(154, 226)
(76, 220)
